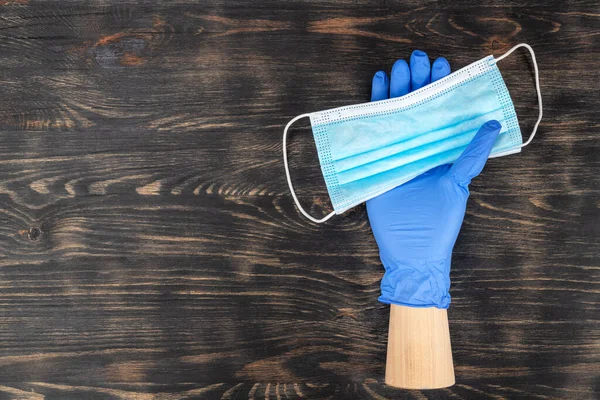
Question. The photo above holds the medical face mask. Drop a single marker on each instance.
(367, 149)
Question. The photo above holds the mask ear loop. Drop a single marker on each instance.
(289, 179)
(537, 86)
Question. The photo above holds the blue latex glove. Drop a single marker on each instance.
(416, 224)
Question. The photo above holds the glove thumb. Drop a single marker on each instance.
(473, 158)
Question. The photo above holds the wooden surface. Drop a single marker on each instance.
(149, 247)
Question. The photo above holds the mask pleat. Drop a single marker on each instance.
(421, 142)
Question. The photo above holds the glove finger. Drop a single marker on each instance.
(380, 87)
(473, 158)
(440, 69)
(420, 70)
(400, 80)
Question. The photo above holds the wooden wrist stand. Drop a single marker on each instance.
(419, 355)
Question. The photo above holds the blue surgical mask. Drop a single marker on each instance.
(367, 149)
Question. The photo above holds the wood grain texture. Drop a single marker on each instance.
(149, 248)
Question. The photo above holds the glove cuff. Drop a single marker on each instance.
(416, 284)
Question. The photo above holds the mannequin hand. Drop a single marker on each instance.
(416, 224)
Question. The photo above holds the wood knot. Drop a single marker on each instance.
(497, 44)
(34, 234)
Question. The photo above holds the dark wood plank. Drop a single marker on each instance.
(149, 248)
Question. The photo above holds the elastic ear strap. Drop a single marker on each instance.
(289, 179)
(537, 86)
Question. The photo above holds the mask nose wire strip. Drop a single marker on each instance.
(289, 179)
(537, 86)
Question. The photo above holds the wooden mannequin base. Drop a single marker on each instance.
(419, 355)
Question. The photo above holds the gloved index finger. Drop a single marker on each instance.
(440, 69)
